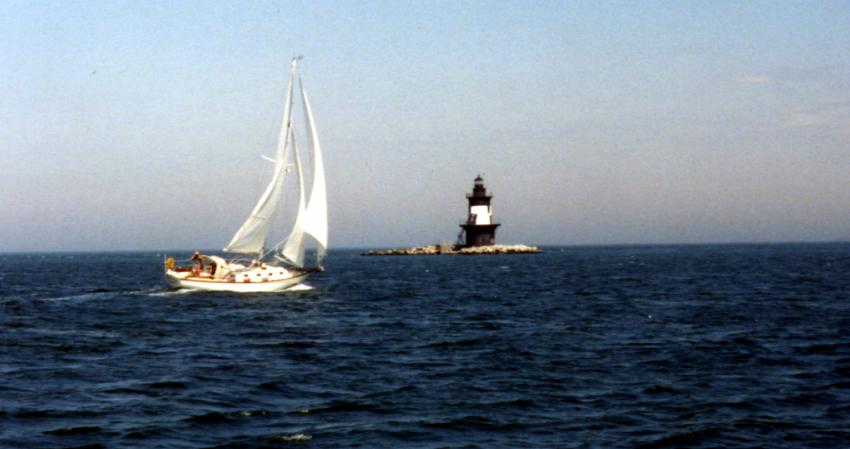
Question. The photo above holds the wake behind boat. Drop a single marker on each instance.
(258, 267)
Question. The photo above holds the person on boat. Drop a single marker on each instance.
(198, 260)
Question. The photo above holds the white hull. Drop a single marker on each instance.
(177, 279)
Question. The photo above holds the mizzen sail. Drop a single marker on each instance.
(316, 217)
(293, 251)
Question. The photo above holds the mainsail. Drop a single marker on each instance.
(251, 236)
(312, 216)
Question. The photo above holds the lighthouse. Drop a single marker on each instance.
(479, 228)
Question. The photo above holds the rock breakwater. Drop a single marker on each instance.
(435, 250)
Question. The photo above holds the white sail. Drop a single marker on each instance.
(316, 217)
(293, 251)
(251, 236)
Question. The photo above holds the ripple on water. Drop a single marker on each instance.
(654, 347)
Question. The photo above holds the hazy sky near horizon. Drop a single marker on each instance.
(139, 125)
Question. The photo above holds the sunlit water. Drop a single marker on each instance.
(652, 347)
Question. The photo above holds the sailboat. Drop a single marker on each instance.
(255, 265)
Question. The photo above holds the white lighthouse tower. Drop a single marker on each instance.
(480, 229)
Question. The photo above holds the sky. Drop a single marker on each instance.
(130, 125)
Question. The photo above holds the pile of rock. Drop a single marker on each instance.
(414, 251)
(498, 249)
(433, 250)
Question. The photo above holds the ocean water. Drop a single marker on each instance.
(727, 346)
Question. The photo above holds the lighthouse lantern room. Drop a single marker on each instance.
(479, 228)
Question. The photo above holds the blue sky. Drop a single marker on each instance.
(139, 125)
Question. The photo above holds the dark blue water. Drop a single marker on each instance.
(623, 347)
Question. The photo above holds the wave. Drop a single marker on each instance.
(285, 344)
(340, 405)
(58, 414)
(101, 292)
(173, 292)
(475, 423)
(687, 438)
(453, 343)
(81, 430)
(87, 295)
(169, 384)
(272, 440)
(290, 438)
(224, 418)
(209, 418)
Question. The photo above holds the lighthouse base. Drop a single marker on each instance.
(479, 235)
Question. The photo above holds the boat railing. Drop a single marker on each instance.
(189, 260)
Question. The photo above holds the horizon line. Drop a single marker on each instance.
(556, 245)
